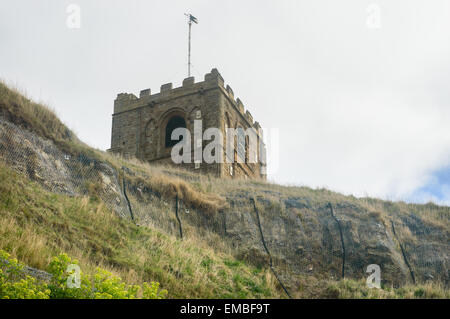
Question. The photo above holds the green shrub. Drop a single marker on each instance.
(419, 293)
(103, 285)
(14, 284)
(58, 285)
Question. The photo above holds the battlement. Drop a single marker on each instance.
(128, 101)
(143, 124)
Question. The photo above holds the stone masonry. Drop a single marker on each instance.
(141, 126)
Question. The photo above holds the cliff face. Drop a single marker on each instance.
(303, 237)
(302, 232)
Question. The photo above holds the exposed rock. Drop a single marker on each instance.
(301, 234)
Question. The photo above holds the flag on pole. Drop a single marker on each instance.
(193, 19)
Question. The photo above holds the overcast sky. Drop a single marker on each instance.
(359, 90)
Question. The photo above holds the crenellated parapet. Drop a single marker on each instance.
(124, 99)
(128, 101)
(142, 126)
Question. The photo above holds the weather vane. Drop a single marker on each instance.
(191, 19)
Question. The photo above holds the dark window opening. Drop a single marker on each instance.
(174, 122)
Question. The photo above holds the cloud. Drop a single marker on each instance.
(436, 189)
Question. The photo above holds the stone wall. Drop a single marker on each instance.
(139, 124)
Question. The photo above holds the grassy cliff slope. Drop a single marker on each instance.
(59, 195)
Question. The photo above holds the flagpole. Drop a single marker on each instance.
(189, 49)
(191, 19)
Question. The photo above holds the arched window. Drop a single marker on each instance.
(174, 122)
(241, 144)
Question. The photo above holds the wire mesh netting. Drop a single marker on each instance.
(297, 233)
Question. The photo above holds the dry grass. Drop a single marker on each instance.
(38, 118)
(22, 241)
(36, 225)
(18, 109)
(164, 181)
(203, 192)
(353, 289)
(170, 187)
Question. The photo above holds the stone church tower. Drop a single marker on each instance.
(142, 127)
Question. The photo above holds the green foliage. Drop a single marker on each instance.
(152, 291)
(102, 285)
(207, 262)
(232, 263)
(59, 283)
(419, 293)
(14, 284)
(26, 288)
(37, 225)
